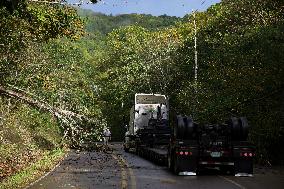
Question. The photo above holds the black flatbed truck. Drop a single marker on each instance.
(188, 147)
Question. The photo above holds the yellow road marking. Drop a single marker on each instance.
(233, 182)
(123, 173)
(122, 163)
(132, 176)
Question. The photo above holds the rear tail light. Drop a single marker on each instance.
(247, 154)
(184, 153)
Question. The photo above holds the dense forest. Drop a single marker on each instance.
(103, 24)
(63, 77)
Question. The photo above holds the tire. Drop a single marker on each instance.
(175, 166)
(180, 127)
(189, 128)
(235, 128)
(137, 151)
(140, 153)
(244, 128)
(126, 149)
(170, 162)
(227, 170)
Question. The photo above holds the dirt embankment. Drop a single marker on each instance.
(26, 136)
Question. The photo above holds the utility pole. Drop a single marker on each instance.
(195, 66)
(195, 50)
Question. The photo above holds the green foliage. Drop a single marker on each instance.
(11, 5)
(31, 23)
(33, 171)
(241, 69)
(37, 22)
(25, 135)
(54, 21)
(104, 24)
(46, 69)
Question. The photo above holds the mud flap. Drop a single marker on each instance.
(243, 167)
(185, 165)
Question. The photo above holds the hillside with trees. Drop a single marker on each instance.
(64, 77)
(103, 24)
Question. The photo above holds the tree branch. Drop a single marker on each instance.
(70, 121)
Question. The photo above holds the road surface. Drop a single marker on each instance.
(117, 169)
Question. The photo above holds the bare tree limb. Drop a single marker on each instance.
(38, 103)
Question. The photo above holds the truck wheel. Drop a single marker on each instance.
(235, 128)
(170, 162)
(227, 170)
(176, 167)
(244, 128)
(180, 127)
(126, 149)
(189, 128)
(140, 153)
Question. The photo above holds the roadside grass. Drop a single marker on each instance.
(29, 139)
(35, 170)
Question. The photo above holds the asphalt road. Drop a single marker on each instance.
(117, 169)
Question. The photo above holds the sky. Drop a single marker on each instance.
(155, 7)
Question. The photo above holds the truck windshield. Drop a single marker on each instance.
(150, 99)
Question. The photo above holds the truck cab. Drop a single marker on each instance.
(147, 107)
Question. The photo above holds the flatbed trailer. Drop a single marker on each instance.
(190, 153)
(158, 154)
(185, 146)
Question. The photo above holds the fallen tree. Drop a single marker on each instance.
(73, 124)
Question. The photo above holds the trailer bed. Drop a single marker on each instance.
(157, 154)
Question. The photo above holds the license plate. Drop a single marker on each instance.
(215, 154)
